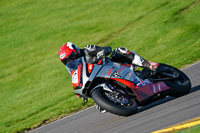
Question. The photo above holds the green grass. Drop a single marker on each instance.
(195, 129)
(34, 84)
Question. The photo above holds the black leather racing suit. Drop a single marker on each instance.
(93, 53)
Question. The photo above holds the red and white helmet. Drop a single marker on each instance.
(68, 52)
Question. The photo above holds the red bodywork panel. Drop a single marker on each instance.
(149, 90)
(125, 82)
(146, 91)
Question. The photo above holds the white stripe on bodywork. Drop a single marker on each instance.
(84, 76)
(154, 89)
(159, 87)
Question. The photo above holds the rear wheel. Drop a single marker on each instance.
(115, 102)
(180, 84)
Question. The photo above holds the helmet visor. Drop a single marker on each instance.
(71, 57)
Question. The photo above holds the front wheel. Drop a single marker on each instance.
(116, 103)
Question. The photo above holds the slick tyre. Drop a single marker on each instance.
(99, 97)
(179, 86)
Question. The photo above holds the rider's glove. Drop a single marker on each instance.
(95, 53)
(101, 54)
(91, 47)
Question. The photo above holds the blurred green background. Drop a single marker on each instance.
(36, 88)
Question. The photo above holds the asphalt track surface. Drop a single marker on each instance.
(158, 115)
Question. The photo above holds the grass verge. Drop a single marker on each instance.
(195, 129)
(35, 86)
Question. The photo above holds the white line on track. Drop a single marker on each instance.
(74, 114)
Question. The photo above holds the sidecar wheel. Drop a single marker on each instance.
(100, 98)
